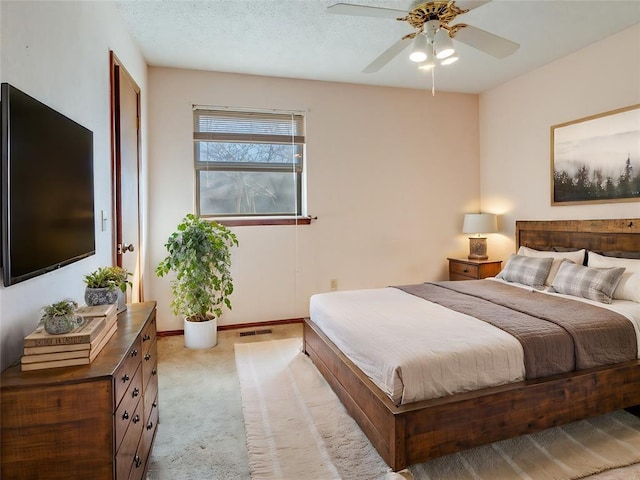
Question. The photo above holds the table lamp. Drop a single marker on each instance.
(479, 224)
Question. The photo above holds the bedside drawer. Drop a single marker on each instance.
(464, 270)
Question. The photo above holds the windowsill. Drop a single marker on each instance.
(255, 221)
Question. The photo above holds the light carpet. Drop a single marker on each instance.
(297, 428)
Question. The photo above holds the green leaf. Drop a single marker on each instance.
(199, 255)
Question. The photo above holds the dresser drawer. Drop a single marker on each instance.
(124, 374)
(126, 455)
(148, 335)
(124, 414)
(139, 461)
(150, 393)
(150, 363)
(152, 421)
(149, 433)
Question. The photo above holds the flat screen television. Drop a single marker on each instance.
(46, 188)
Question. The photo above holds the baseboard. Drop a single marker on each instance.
(268, 323)
(169, 333)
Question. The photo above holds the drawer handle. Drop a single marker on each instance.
(146, 337)
(154, 371)
(134, 353)
(137, 461)
(125, 378)
(136, 419)
(154, 405)
(135, 392)
(125, 415)
(147, 357)
(465, 270)
(150, 426)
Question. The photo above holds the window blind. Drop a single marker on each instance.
(248, 127)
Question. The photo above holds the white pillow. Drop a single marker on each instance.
(576, 257)
(629, 286)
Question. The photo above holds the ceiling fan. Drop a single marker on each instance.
(431, 39)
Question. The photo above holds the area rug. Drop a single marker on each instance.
(297, 428)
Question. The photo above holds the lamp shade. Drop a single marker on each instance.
(443, 44)
(419, 49)
(480, 223)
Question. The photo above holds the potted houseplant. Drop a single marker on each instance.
(60, 317)
(107, 285)
(199, 254)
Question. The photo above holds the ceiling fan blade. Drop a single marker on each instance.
(365, 11)
(486, 42)
(386, 56)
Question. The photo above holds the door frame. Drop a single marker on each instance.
(115, 68)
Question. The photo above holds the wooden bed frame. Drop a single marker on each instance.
(408, 434)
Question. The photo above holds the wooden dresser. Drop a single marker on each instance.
(94, 421)
(465, 269)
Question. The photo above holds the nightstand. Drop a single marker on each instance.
(465, 269)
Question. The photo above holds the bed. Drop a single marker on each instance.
(413, 432)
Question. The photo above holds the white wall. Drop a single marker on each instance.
(515, 122)
(58, 52)
(391, 171)
(390, 174)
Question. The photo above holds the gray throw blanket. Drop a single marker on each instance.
(557, 335)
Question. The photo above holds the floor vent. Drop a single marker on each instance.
(256, 332)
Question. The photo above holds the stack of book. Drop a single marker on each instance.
(78, 347)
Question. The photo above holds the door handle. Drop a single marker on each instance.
(124, 248)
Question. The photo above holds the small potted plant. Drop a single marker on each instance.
(107, 285)
(199, 252)
(60, 317)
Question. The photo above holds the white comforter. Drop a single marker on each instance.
(413, 349)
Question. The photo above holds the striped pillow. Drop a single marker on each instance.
(530, 271)
(575, 256)
(587, 282)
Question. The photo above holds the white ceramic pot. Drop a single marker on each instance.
(201, 334)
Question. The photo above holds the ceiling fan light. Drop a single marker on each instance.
(443, 44)
(428, 65)
(449, 60)
(417, 57)
(419, 48)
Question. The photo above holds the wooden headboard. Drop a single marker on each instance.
(600, 235)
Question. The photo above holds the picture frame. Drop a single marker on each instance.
(596, 159)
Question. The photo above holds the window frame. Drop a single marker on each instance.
(298, 168)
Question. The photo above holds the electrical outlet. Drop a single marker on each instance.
(333, 284)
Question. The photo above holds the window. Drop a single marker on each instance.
(248, 164)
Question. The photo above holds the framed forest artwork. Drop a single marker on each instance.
(596, 159)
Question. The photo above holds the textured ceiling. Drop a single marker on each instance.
(299, 39)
